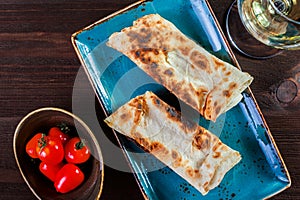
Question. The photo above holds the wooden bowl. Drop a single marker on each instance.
(41, 120)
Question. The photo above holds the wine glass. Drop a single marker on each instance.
(263, 28)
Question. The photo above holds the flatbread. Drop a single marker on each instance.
(191, 151)
(201, 80)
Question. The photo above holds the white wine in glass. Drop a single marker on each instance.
(275, 23)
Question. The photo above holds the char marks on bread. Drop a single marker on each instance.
(200, 79)
(188, 149)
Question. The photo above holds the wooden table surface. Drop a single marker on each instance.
(38, 67)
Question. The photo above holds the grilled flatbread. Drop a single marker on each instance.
(201, 80)
(191, 151)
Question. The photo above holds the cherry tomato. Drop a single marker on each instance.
(76, 151)
(49, 170)
(50, 150)
(68, 178)
(32, 144)
(58, 132)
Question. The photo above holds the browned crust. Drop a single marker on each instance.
(212, 151)
(148, 43)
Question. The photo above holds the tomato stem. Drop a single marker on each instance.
(42, 141)
(79, 145)
(64, 127)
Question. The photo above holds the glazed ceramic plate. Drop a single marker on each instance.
(115, 79)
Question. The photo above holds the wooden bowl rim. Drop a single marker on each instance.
(23, 120)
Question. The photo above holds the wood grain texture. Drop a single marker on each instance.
(282, 119)
(38, 67)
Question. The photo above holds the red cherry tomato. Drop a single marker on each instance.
(49, 170)
(68, 178)
(50, 150)
(57, 132)
(76, 151)
(32, 144)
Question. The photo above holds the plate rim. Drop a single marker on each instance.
(232, 58)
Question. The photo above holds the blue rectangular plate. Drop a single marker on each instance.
(115, 80)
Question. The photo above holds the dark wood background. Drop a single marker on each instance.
(38, 66)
